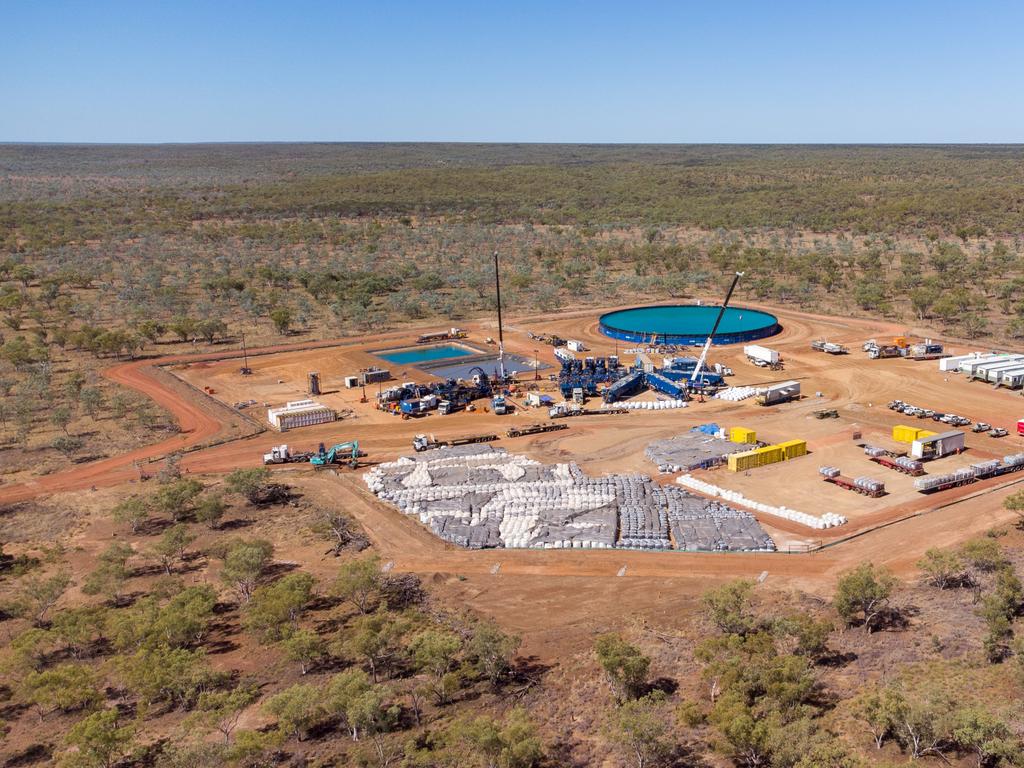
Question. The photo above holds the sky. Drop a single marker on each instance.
(763, 71)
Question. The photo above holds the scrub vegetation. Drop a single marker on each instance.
(237, 623)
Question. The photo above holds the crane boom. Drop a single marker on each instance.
(714, 328)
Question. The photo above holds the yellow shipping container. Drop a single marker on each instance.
(742, 435)
(904, 434)
(741, 462)
(794, 448)
(769, 455)
(923, 433)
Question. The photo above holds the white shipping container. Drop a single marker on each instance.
(575, 346)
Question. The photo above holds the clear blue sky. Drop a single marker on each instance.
(512, 70)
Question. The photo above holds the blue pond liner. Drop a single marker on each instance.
(414, 355)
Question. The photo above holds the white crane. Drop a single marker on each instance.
(714, 329)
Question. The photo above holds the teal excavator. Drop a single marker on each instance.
(342, 453)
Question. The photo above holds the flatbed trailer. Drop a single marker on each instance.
(845, 482)
(888, 463)
(425, 443)
(957, 482)
(535, 429)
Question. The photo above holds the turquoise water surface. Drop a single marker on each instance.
(423, 354)
(687, 320)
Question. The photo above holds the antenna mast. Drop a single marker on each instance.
(501, 332)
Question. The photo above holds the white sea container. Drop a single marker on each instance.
(576, 346)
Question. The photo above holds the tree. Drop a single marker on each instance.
(99, 741)
(305, 647)
(210, 510)
(491, 651)
(984, 554)
(176, 497)
(809, 636)
(376, 638)
(624, 664)
(881, 712)
(91, 400)
(512, 743)
(60, 417)
(178, 676)
(273, 611)
(39, 594)
(66, 687)
(281, 317)
(436, 652)
(244, 564)
(642, 727)
(78, 627)
(988, 737)
(210, 329)
(359, 582)
(132, 511)
(942, 568)
(69, 446)
(1015, 503)
(296, 708)
(864, 593)
(111, 572)
(172, 545)
(254, 484)
(223, 709)
(728, 607)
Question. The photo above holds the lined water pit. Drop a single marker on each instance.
(483, 497)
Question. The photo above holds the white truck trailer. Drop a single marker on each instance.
(761, 356)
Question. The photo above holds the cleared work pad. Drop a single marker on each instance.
(480, 497)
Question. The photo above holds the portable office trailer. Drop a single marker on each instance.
(953, 363)
(937, 446)
(992, 373)
(968, 367)
(1013, 378)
